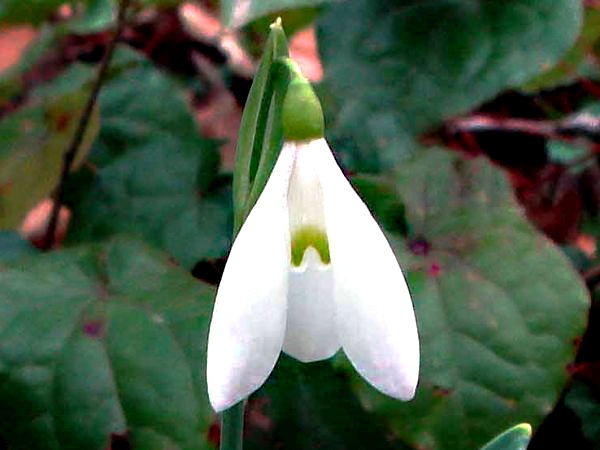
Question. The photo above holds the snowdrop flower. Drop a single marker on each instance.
(309, 272)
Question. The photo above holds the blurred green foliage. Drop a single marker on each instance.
(32, 143)
(577, 61)
(239, 13)
(16, 11)
(408, 65)
(87, 353)
(495, 332)
(153, 174)
(311, 405)
(13, 246)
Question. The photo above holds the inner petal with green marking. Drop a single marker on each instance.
(306, 210)
(309, 236)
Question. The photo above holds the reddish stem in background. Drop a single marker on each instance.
(82, 125)
(582, 126)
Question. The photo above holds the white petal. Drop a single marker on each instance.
(375, 317)
(248, 322)
(305, 195)
(311, 334)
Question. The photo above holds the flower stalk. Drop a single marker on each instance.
(232, 427)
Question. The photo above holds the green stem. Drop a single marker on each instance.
(232, 427)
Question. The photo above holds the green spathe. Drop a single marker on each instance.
(302, 115)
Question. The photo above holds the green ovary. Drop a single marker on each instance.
(309, 236)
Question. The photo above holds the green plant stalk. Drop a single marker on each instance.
(232, 427)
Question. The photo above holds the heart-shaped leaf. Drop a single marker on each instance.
(499, 307)
(153, 174)
(103, 341)
(397, 68)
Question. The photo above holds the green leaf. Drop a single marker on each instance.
(103, 340)
(584, 401)
(33, 141)
(576, 155)
(409, 65)
(499, 307)
(310, 406)
(237, 13)
(561, 152)
(153, 174)
(260, 135)
(12, 80)
(380, 194)
(90, 15)
(515, 438)
(13, 246)
(579, 259)
(96, 16)
(33, 11)
(577, 62)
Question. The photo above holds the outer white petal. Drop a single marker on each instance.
(249, 317)
(311, 334)
(375, 316)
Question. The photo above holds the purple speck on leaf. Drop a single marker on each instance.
(435, 269)
(94, 328)
(439, 391)
(419, 246)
